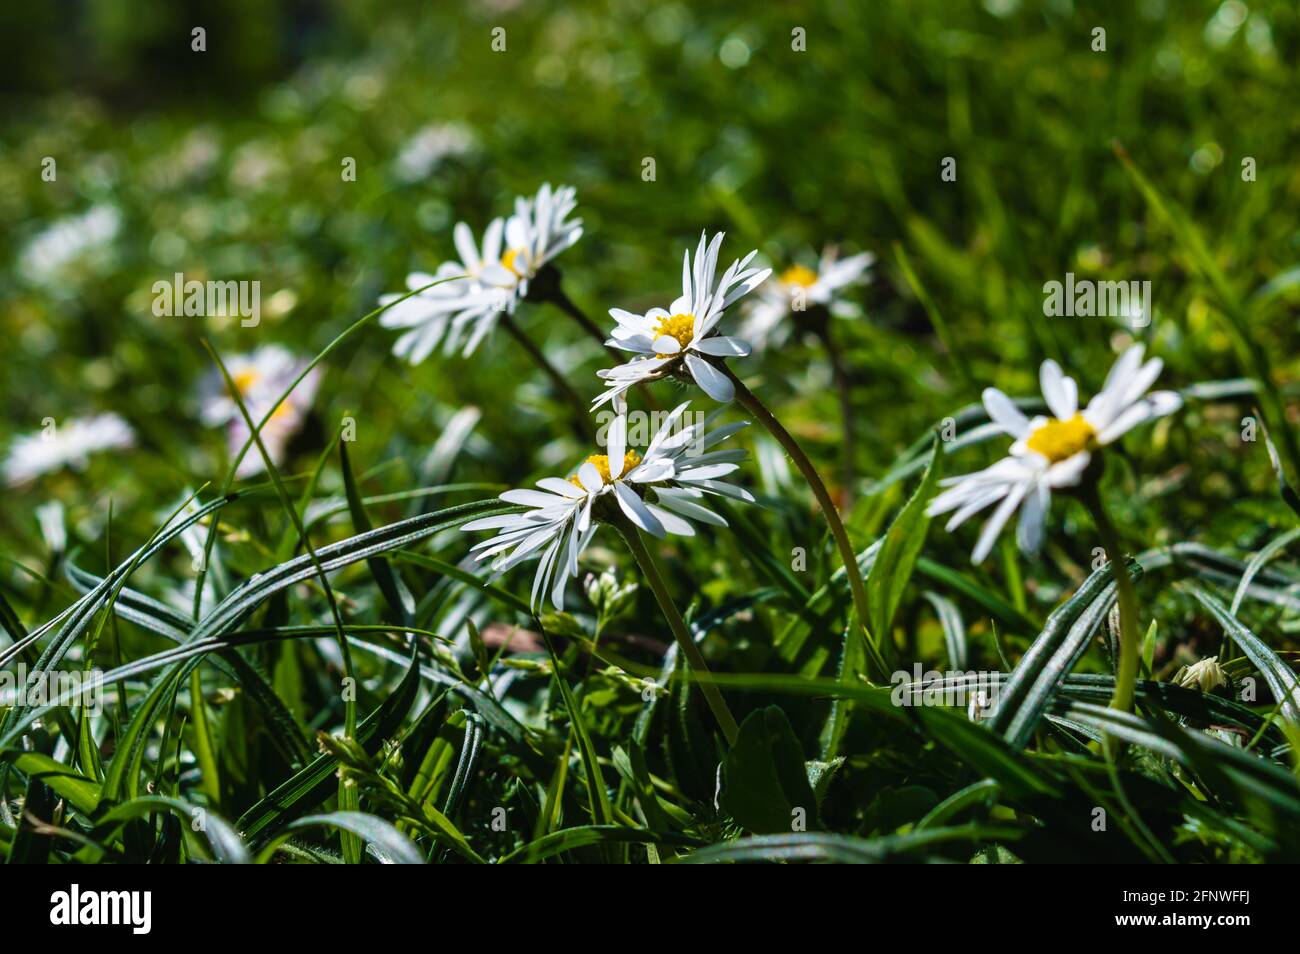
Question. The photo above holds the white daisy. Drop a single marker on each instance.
(681, 337)
(1052, 452)
(457, 312)
(261, 377)
(798, 288)
(655, 491)
(460, 314)
(69, 444)
(539, 230)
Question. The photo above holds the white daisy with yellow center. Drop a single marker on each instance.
(493, 277)
(682, 337)
(1051, 452)
(768, 315)
(260, 377)
(658, 492)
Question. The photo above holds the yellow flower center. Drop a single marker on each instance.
(601, 463)
(513, 255)
(1057, 440)
(681, 327)
(799, 275)
(245, 380)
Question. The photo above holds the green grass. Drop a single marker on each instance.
(228, 734)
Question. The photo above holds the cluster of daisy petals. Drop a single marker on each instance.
(658, 490)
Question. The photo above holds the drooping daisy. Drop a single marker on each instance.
(539, 230)
(261, 377)
(658, 491)
(460, 313)
(67, 444)
(681, 339)
(1052, 452)
(768, 315)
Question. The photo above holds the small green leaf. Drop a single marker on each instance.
(766, 780)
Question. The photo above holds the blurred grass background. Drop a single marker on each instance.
(226, 164)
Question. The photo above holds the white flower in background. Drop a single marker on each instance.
(772, 315)
(654, 491)
(67, 242)
(260, 377)
(69, 444)
(665, 340)
(539, 230)
(430, 146)
(493, 278)
(458, 313)
(1052, 452)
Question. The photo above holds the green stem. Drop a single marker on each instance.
(561, 384)
(847, 554)
(1126, 676)
(650, 569)
(843, 388)
(563, 302)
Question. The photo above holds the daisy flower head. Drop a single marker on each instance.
(681, 339)
(658, 491)
(539, 230)
(799, 288)
(1051, 453)
(69, 444)
(486, 280)
(460, 312)
(260, 377)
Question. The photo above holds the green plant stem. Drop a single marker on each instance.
(848, 441)
(561, 384)
(1126, 676)
(557, 297)
(650, 569)
(848, 556)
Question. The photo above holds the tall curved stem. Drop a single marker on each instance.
(848, 556)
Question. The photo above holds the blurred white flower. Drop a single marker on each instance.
(654, 491)
(428, 147)
(49, 516)
(665, 340)
(1052, 452)
(64, 445)
(50, 254)
(260, 377)
(768, 314)
(493, 279)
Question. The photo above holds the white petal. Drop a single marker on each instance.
(996, 522)
(1005, 414)
(617, 443)
(666, 344)
(532, 498)
(636, 510)
(722, 346)
(590, 477)
(712, 381)
(564, 488)
(1060, 392)
(671, 522)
